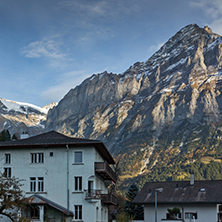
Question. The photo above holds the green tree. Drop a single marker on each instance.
(5, 135)
(14, 137)
(133, 210)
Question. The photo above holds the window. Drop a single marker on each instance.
(40, 184)
(31, 212)
(35, 212)
(32, 184)
(78, 157)
(97, 213)
(8, 172)
(77, 183)
(37, 184)
(190, 215)
(78, 212)
(51, 154)
(41, 157)
(37, 157)
(7, 158)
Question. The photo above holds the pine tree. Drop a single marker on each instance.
(14, 137)
(134, 210)
(5, 135)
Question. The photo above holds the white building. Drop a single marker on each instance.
(64, 177)
(198, 201)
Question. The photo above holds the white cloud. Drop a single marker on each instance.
(153, 48)
(48, 49)
(216, 26)
(108, 9)
(213, 9)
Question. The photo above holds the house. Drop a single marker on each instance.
(64, 178)
(198, 201)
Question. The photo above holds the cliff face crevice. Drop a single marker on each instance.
(173, 92)
(183, 72)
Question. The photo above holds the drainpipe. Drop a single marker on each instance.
(182, 213)
(67, 147)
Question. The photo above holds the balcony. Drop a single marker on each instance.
(109, 199)
(92, 195)
(105, 171)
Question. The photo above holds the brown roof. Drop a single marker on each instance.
(55, 139)
(37, 199)
(209, 191)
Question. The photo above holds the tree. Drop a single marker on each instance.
(14, 137)
(11, 197)
(5, 135)
(134, 210)
(173, 212)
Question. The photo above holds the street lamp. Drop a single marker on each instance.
(157, 190)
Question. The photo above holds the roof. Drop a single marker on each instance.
(37, 199)
(182, 192)
(55, 139)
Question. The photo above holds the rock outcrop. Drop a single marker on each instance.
(147, 114)
(20, 117)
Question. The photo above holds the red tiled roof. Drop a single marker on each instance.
(55, 139)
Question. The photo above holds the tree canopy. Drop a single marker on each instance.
(5, 135)
(134, 210)
(11, 197)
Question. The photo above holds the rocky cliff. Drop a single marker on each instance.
(20, 117)
(157, 113)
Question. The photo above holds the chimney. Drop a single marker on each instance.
(24, 135)
(191, 179)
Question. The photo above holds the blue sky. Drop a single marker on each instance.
(50, 46)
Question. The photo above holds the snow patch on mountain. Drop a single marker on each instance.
(22, 107)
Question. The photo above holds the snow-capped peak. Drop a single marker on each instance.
(22, 107)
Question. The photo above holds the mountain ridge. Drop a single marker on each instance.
(161, 117)
(137, 80)
(147, 116)
(20, 117)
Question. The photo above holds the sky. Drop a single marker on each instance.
(48, 47)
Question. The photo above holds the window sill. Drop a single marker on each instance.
(78, 164)
(32, 192)
(35, 163)
(78, 191)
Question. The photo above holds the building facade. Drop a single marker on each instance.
(197, 201)
(72, 173)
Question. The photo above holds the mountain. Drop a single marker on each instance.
(160, 118)
(18, 117)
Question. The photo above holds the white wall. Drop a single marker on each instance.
(205, 213)
(54, 171)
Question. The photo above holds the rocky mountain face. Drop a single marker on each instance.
(20, 117)
(158, 118)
